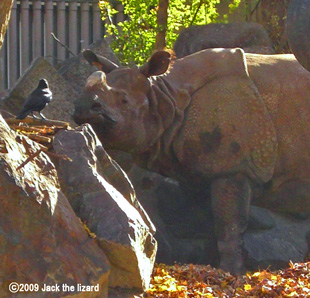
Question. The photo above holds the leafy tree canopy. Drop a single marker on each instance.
(134, 38)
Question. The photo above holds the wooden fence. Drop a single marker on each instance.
(75, 23)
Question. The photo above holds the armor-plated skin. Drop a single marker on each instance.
(235, 122)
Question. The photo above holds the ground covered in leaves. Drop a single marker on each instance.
(204, 281)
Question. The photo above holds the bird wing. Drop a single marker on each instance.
(38, 97)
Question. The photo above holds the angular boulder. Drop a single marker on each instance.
(271, 239)
(66, 81)
(64, 94)
(184, 223)
(77, 69)
(103, 197)
(250, 36)
(41, 240)
(285, 240)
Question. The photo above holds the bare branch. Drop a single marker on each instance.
(63, 45)
(30, 158)
(33, 121)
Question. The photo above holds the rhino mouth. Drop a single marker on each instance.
(99, 111)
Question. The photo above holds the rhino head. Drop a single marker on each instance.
(115, 102)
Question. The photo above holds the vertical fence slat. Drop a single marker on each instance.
(61, 29)
(29, 33)
(73, 40)
(13, 43)
(5, 51)
(97, 22)
(3, 68)
(85, 24)
(37, 32)
(49, 28)
(25, 41)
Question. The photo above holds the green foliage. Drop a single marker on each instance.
(234, 5)
(134, 38)
(184, 13)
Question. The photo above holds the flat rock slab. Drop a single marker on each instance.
(122, 228)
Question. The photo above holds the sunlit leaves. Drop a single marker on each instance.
(205, 281)
(184, 13)
(135, 37)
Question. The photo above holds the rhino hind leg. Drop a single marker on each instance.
(231, 198)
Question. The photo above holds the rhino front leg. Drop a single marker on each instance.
(231, 198)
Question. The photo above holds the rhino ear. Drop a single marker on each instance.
(157, 65)
(102, 63)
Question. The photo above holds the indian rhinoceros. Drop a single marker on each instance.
(237, 123)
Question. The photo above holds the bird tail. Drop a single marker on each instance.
(22, 114)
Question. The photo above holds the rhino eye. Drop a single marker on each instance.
(96, 106)
(124, 99)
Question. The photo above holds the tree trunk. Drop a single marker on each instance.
(297, 28)
(5, 12)
(273, 19)
(162, 17)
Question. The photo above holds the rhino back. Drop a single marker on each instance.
(195, 71)
(285, 88)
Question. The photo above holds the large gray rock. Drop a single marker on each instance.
(284, 241)
(184, 224)
(77, 69)
(112, 212)
(66, 82)
(251, 37)
(64, 94)
(185, 231)
(41, 239)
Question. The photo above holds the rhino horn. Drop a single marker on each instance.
(98, 79)
(102, 63)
